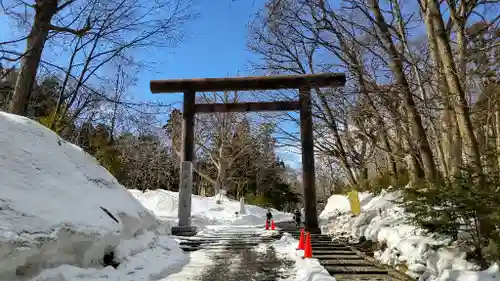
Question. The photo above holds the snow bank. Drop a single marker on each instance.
(383, 221)
(199, 262)
(305, 269)
(61, 212)
(205, 211)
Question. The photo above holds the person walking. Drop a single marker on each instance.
(297, 216)
(269, 217)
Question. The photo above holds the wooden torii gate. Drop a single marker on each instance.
(190, 86)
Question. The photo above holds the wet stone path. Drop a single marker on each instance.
(247, 265)
(235, 259)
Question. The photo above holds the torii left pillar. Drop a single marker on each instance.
(186, 172)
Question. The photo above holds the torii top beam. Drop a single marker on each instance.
(250, 83)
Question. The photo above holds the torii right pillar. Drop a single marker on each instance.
(308, 176)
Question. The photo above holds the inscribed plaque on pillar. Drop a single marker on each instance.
(186, 182)
(242, 206)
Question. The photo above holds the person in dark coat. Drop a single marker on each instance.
(269, 216)
(297, 216)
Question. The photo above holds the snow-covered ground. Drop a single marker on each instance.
(206, 213)
(383, 221)
(61, 212)
(62, 215)
(305, 269)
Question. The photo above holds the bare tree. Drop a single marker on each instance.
(109, 30)
(44, 11)
(223, 138)
(290, 41)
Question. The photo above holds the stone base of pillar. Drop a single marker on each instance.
(184, 230)
(313, 230)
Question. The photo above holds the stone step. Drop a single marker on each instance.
(333, 252)
(190, 249)
(231, 245)
(328, 239)
(222, 257)
(334, 269)
(228, 237)
(329, 247)
(231, 236)
(320, 240)
(216, 248)
(214, 238)
(330, 256)
(219, 243)
(297, 233)
(324, 242)
(341, 262)
(364, 277)
(327, 243)
(225, 249)
(225, 241)
(314, 236)
(316, 239)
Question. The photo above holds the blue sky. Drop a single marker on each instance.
(216, 40)
(215, 47)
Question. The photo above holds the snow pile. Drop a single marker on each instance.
(199, 262)
(63, 216)
(403, 244)
(338, 204)
(204, 210)
(305, 269)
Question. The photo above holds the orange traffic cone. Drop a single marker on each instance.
(273, 227)
(267, 225)
(308, 249)
(302, 242)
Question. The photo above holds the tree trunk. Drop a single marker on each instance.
(332, 124)
(497, 133)
(396, 66)
(434, 19)
(416, 171)
(392, 163)
(447, 135)
(363, 178)
(35, 42)
(451, 143)
(357, 69)
(432, 125)
(217, 187)
(221, 178)
(386, 145)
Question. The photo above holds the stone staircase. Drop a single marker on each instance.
(234, 258)
(343, 261)
(223, 241)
